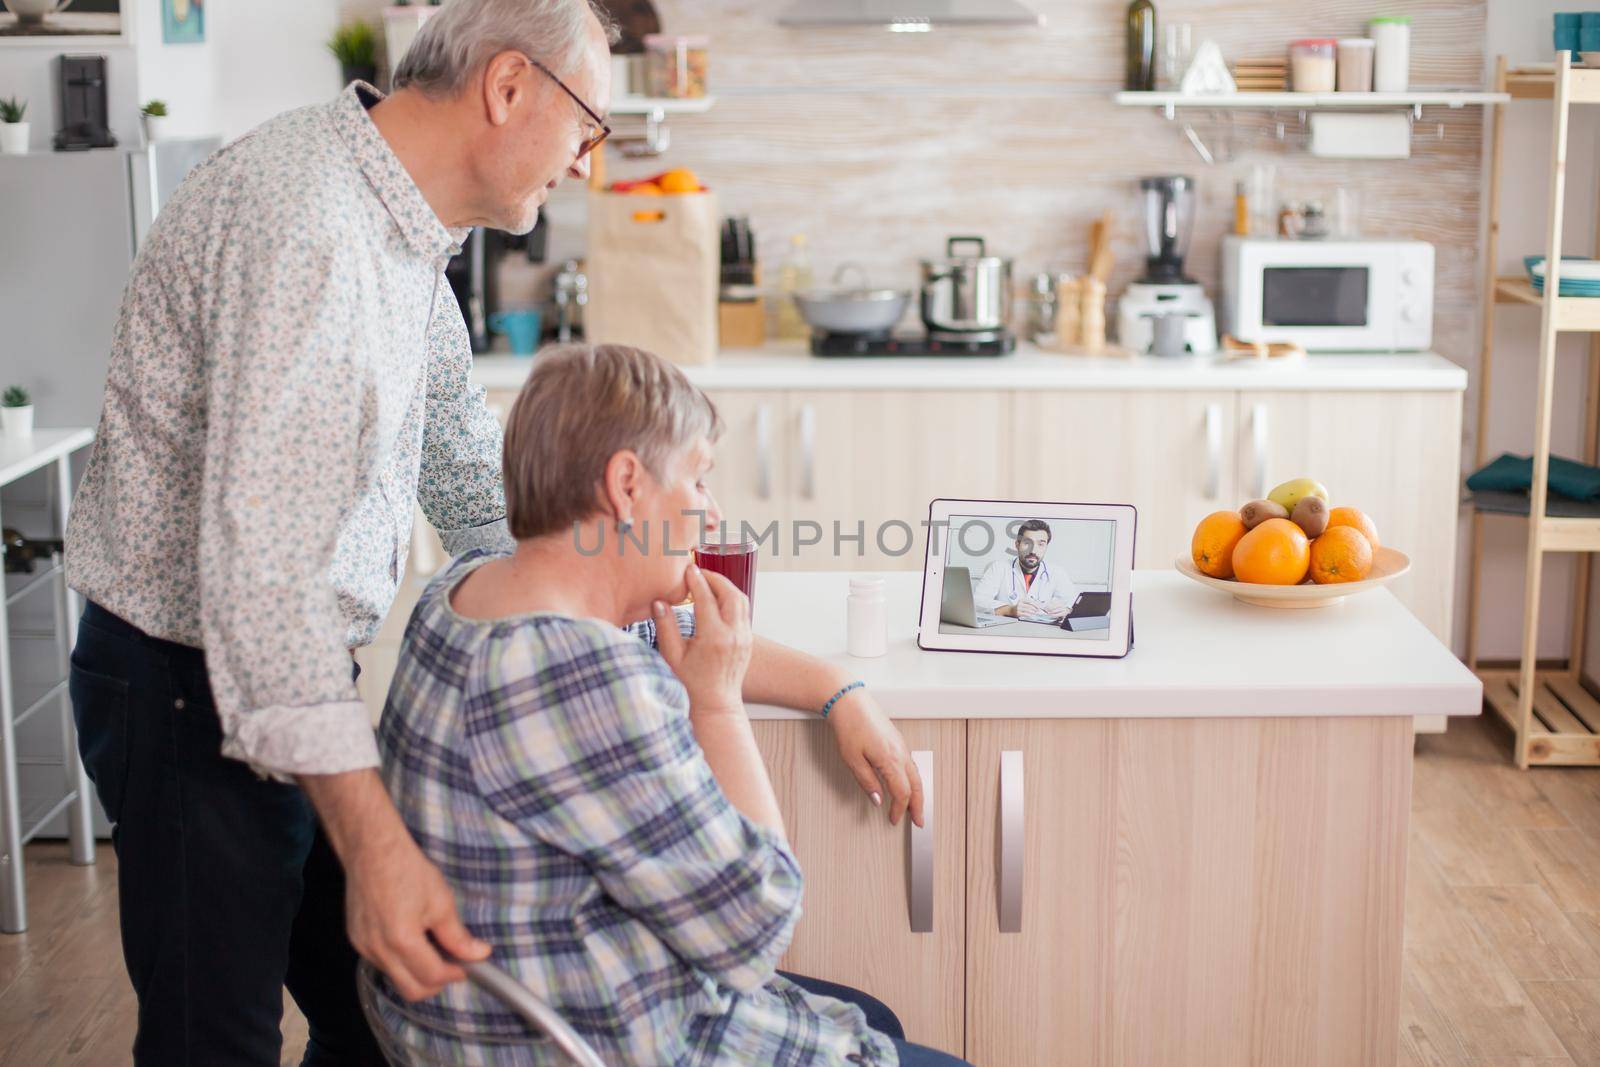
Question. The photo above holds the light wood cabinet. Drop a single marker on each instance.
(750, 475)
(1170, 454)
(864, 463)
(1210, 892)
(857, 924)
(1395, 456)
(1110, 892)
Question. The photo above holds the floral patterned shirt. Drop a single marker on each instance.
(288, 381)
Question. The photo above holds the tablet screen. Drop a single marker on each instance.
(1027, 576)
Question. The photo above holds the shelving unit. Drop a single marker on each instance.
(662, 105)
(1555, 718)
(18, 825)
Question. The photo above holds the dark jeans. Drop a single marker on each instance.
(229, 891)
(882, 1019)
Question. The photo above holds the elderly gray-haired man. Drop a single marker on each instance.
(288, 381)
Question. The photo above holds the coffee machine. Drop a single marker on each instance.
(1164, 289)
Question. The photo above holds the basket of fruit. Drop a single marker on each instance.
(1291, 550)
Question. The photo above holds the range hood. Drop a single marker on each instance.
(909, 14)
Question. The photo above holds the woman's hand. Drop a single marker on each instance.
(873, 749)
(711, 664)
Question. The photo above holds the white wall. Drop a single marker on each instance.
(29, 72)
(259, 58)
(1521, 30)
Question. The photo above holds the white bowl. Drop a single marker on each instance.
(1387, 565)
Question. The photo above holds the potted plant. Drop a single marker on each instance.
(16, 414)
(355, 46)
(154, 117)
(13, 131)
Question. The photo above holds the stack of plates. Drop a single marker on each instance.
(1580, 276)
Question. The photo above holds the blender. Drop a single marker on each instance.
(1164, 289)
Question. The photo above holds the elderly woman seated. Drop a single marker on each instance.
(599, 804)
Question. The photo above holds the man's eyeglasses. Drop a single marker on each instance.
(590, 143)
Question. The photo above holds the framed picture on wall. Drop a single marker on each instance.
(183, 21)
(54, 23)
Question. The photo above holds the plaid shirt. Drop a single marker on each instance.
(547, 765)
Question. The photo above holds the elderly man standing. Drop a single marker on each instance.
(288, 382)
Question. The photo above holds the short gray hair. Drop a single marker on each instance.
(465, 34)
(581, 405)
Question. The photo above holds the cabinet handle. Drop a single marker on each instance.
(1213, 451)
(1012, 841)
(1258, 439)
(808, 451)
(764, 452)
(922, 850)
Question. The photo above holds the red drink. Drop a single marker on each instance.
(735, 562)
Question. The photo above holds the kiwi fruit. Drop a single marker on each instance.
(1311, 515)
(1257, 512)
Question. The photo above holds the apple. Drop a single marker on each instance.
(1291, 493)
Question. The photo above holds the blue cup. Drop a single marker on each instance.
(1568, 32)
(521, 328)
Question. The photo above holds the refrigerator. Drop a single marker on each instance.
(70, 223)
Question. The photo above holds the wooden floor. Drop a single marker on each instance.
(1502, 957)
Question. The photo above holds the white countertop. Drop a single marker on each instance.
(787, 365)
(1197, 653)
(18, 458)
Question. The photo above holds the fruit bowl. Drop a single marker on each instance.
(1387, 565)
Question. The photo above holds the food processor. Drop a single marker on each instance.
(1164, 289)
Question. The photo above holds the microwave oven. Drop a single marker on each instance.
(1338, 296)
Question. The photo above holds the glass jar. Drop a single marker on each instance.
(676, 66)
(1311, 65)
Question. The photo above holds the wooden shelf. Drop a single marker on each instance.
(1515, 290)
(1541, 85)
(1574, 314)
(1566, 716)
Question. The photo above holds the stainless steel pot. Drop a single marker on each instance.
(860, 310)
(967, 294)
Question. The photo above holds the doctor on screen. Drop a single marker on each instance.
(1026, 587)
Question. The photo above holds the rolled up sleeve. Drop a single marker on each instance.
(281, 457)
(612, 775)
(460, 486)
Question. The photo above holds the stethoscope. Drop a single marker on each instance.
(1016, 569)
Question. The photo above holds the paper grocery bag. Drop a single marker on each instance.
(654, 265)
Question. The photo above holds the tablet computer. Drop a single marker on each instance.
(1028, 577)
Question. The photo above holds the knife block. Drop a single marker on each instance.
(741, 324)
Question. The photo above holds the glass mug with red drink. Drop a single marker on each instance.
(732, 557)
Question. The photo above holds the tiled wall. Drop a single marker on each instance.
(879, 145)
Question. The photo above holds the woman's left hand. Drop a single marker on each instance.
(876, 754)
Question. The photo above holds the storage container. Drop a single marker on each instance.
(1311, 65)
(1391, 63)
(676, 66)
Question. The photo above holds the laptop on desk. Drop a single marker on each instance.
(955, 602)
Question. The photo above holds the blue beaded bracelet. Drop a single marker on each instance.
(835, 698)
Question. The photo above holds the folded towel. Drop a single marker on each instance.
(1578, 481)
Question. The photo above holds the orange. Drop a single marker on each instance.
(1357, 518)
(1213, 543)
(679, 180)
(1274, 553)
(646, 189)
(1341, 554)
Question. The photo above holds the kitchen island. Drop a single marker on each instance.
(1193, 855)
(872, 440)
